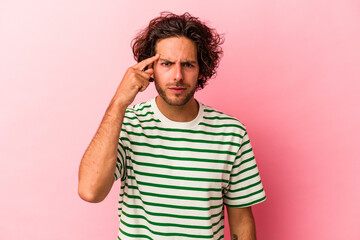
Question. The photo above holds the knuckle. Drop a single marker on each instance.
(132, 70)
(129, 70)
(133, 77)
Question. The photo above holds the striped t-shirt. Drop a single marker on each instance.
(177, 176)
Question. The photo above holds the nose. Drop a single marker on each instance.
(178, 72)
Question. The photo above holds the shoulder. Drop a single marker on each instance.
(139, 109)
(141, 114)
(214, 114)
(220, 119)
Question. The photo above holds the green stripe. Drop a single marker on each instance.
(184, 130)
(246, 204)
(213, 110)
(243, 153)
(175, 196)
(222, 125)
(220, 228)
(122, 147)
(138, 114)
(141, 108)
(178, 168)
(179, 177)
(170, 224)
(136, 236)
(220, 118)
(244, 179)
(168, 215)
(121, 155)
(245, 196)
(121, 161)
(178, 158)
(180, 149)
(175, 187)
(244, 170)
(144, 115)
(244, 161)
(118, 168)
(244, 188)
(143, 121)
(165, 234)
(173, 206)
(181, 139)
(244, 143)
(118, 161)
(124, 176)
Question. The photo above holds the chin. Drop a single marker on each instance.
(175, 99)
(176, 102)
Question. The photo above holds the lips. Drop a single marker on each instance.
(177, 89)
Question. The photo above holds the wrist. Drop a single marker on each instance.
(120, 102)
(117, 106)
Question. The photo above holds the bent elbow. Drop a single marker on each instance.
(89, 196)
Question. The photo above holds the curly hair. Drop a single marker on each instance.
(167, 25)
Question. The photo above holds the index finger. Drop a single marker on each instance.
(141, 65)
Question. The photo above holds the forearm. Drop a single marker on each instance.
(242, 224)
(97, 167)
(245, 231)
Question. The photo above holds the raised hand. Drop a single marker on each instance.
(135, 80)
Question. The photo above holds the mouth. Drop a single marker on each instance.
(177, 89)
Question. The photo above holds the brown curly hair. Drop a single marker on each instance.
(167, 25)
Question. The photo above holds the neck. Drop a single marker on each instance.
(184, 113)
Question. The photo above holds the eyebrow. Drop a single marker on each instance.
(187, 61)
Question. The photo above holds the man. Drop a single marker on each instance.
(179, 161)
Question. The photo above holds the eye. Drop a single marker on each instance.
(188, 65)
(166, 64)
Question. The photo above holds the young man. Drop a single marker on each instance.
(179, 161)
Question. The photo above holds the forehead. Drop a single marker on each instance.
(177, 48)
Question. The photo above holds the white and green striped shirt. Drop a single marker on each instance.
(176, 176)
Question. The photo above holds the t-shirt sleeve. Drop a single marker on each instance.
(245, 187)
(120, 170)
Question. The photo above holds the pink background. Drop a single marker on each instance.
(290, 73)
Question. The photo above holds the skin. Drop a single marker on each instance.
(175, 71)
(242, 224)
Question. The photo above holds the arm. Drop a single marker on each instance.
(242, 224)
(97, 166)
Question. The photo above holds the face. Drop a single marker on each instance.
(177, 71)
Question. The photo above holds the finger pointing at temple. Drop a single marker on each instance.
(135, 80)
